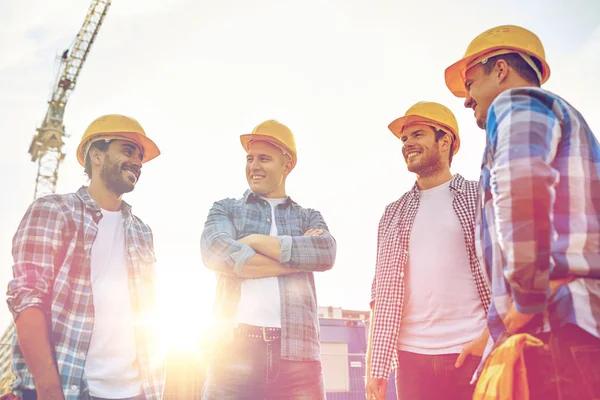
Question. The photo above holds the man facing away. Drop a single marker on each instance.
(82, 296)
(429, 295)
(539, 211)
(264, 248)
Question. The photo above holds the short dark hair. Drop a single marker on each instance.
(517, 63)
(101, 145)
(440, 134)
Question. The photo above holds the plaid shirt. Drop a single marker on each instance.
(51, 251)
(393, 238)
(539, 214)
(233, 219)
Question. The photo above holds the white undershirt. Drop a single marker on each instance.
(442, 309)
(260, 302)
(111, 367)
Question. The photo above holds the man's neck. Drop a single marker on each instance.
(105, 199)
(434, 180)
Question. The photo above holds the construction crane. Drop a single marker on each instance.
(47, 145)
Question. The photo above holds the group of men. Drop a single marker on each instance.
(461, 266)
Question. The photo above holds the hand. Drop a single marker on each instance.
(514, 320)
(376, 388)
(474, 348)
(313, 232)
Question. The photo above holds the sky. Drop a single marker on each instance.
(197, 74)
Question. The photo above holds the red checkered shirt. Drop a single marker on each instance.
(387, 291)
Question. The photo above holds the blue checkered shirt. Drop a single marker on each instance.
(52, 251)
(539, 214)
(233, 219)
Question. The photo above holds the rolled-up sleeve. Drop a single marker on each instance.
(523, 187)
(309, 253)
(36, 245)
(221, 252)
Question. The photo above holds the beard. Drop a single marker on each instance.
(430, 164)
(112, 175)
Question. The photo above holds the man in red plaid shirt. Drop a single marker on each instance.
(429, 296)
(82, 293)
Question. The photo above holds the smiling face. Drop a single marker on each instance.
(421, 150)
(482, 89)
(120, 166)
(266, 169)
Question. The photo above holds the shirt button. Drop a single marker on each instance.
(88, 319)
(265, 203)
(82, 355)
(74, 388)
(402, 274)
(98, 214)
(268, 219)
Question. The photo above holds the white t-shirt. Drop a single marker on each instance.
(260, 301)
(111, 367)
(442, 310)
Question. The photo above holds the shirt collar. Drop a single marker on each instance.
(249, 196)
(457, 185)
(90, 203)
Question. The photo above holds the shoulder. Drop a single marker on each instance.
(397, 204)
(57, 204)
(530, 100)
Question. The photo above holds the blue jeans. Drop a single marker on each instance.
(32, 395)
(433, 377)
(567, 368)
(252, 369)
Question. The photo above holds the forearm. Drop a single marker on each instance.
(264, 244)
(260, 266)
(32, 332)
(308, 253)
(369, 342)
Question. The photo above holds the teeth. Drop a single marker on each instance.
(412, 155)
(256, 176)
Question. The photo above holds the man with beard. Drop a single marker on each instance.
(429, 296)
(265, 248)
(538, 220)
(82, 296)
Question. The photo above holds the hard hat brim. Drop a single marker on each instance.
(398, 125)
(250, 137)
(454, 73)
(150, 148)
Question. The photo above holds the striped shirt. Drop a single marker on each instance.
(233, 219)
(51, 251)
(387, 291)
(539, 214)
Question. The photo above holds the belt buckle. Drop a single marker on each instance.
(264, 332)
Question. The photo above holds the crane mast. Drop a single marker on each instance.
(47, 145)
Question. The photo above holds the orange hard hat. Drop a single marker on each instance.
(496, 41)
(116, 126)
(428, 113)
(275, 133)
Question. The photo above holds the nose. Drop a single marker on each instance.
(253, 164)
(137, 162)
(468, 101)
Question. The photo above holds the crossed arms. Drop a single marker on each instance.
(261, 256)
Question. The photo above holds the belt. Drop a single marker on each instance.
(258, 332)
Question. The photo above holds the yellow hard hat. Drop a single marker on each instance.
(117, 126)
(428, 113)
(496, 41)
(275, 133)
